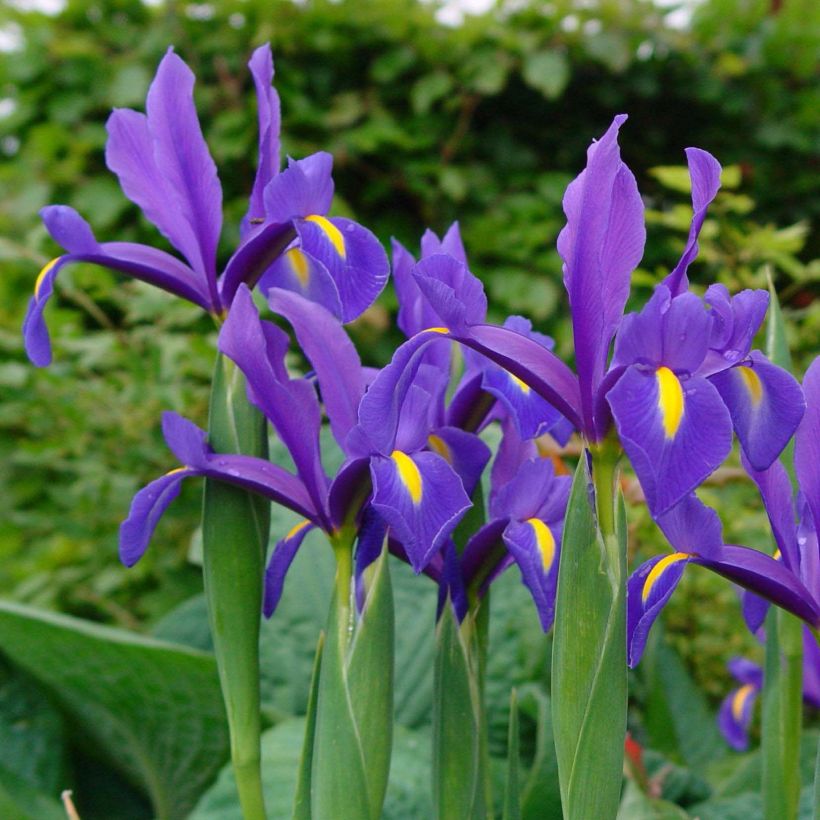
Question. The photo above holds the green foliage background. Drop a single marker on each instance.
(485, 122)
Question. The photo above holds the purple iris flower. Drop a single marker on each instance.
(682, 375)
(695, 532)
(527, 505)
(164, 167)
(440, 292)
(794, 521)
(408, 482)
(735, 714)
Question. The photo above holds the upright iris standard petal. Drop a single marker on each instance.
(280, 560)
(735, 321)
(261, 66)
(704, 171)
(304, 188)
(600, 245)
(183, 159)
(807, 444)
(332, 355)
(421, 498)
(675, 432)
(766, 405)
(455, 294)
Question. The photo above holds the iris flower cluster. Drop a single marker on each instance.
(667, 386)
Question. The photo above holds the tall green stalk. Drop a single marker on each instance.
(235, 528)
(589, 684)
(782, 715)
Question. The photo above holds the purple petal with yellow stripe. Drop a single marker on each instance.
(536, 547)
(147, 507)
(300, 273)
(280, 560)
(735, 715)
(647, 591)
(675, 432)
(465, 452)
(766, 405)
(354, 258)
(148, 264)
(600, 245)
(704, 171)
(422, 499)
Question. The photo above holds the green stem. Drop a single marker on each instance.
(782, 715)
(235, 527)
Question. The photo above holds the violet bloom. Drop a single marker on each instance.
(695, 533)
(414, 490)
(682, 376)
(794, 521)
(527, 505)
(164, 167)
(735, 714)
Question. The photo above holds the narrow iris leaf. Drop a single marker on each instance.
(352, 741)
(589, 659)
(235, 527)
(512, 796)
(457, 788)
(301, 800)
(541, 796)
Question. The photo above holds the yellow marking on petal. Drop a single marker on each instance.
(670, 400)
(176, 470)
(408, 474)
(296, 529)
(658, 570)
(777, 555)
(331, 232)
(42, 275)
(439, 445)
(299, 265)
(436, 330)
(545, 541)
(519, 383)
(751, 381)
(739, 700)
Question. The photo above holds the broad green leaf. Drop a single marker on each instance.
(235, 526)
(689, 735)
(31, 733)
(354, 713)
(638, 806)
(153, 708)
(589, 659)
(19, 800)
(541, 795)
(512, 795)
(458, 791)
(547, 72)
